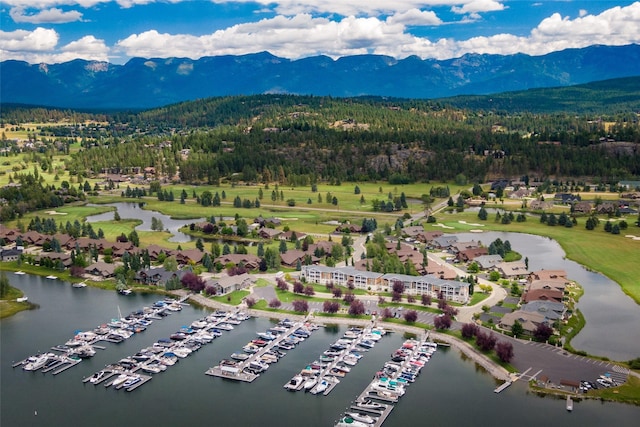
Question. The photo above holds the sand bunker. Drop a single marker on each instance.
(442, 225)
(55, 213)
(473, 224)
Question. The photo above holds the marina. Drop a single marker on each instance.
(83, 344)
(375, 403)
(260, 353)
(165, 352)
(23, 394)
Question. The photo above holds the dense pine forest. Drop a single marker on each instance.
(306, 139)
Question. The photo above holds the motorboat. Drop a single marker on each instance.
(322, 386)
(83, 352)
(181, 352)
(350, 422)
(258, 366)
(367, 419)
(79, 285)
(240, 356)
(310, 382)
(97, 377)
(267, 336)
(131, 381)
(120, 380)
(370, 404)
(36, 362)
(295, 383)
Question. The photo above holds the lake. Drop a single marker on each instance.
(450, 390)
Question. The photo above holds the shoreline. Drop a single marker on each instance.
(495, 370)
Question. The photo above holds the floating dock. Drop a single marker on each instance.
(502, 386)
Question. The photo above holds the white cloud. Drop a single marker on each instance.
(49, 16)
(38, 40)
(415, 17)
(41, 45)
(303, 35)
(477, 6)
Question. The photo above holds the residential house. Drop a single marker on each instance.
(548, 284)
(444, 242)
(290, 235)
(351, 228)
(264, 221)
(552, 295)
(8, 234)
(513, 269)
(268, 233)
(547, 274)
(487, 262)
(540, 205)
(467, 255)
(293, 256)
(101, 269)
(33, 238)
(157, 276)
(12, 254)
(226, 284)
(441, 271)
(551, 310)
(582, 207)
(65, 258)
(187, 256)
(529, 320)
(251, 262)
(567, 198)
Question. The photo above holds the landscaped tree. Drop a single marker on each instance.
(301, 306)
(410, 316)
(282, 284)
(298, 287)
(193, 282)
(275, 303)
(170, 263)
(386, 313)
(442, 322)
(337, 292)
(348, 297)
(485, 341)
(330, 306)
(543, 332)
(210, 290)
(469, 330)
(517, 329)
(356, 308)
(250, 302)
(426, 299)
(309, 291)
(504, 351)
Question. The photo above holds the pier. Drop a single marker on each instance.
(378, 399)
(502, 386)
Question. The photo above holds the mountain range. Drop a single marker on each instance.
(147, 83)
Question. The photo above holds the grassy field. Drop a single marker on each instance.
(615, 256)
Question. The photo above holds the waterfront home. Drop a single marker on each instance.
(513, 269)
(54, 257)
(12, 254)
(268, 233)
(101, 269)
(444, 242)
(551, 310)
(226, 284)
(487, 262)
(291, 235)
(542, 295)
(467, 255)
(547, 284)
(157, 276)
(187, 256)
(547, 274)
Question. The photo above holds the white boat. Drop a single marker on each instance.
(20, 273)
(36, 362)
(133, 380)
(181, 352)
(21, 299)
(79, 285)
(322, 386)
(240, 356)
(97, 377)
(51, 276)
(295, 383)
(350, 422)
(367, 419)
(569, 404)
(310, 382)
(370, 404)
(120, 380)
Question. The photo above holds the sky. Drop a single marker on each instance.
(55, 31)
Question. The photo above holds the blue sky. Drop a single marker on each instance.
(53, 31)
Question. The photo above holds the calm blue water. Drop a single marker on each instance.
(450, 390)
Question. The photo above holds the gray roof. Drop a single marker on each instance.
(488, 261)
(551, 310)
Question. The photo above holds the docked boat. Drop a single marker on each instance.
(51, 276)
(131, 381)
(240, 356)
(310, 382)
(350, 422)
(322, 386)
(267, 336)
(83, 352)
(295, 383)
(97, 377)
(367, 419)
(36, 362)
(569, 404)
(120, 380)
(370, 404)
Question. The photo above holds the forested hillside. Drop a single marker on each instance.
(302, 139)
